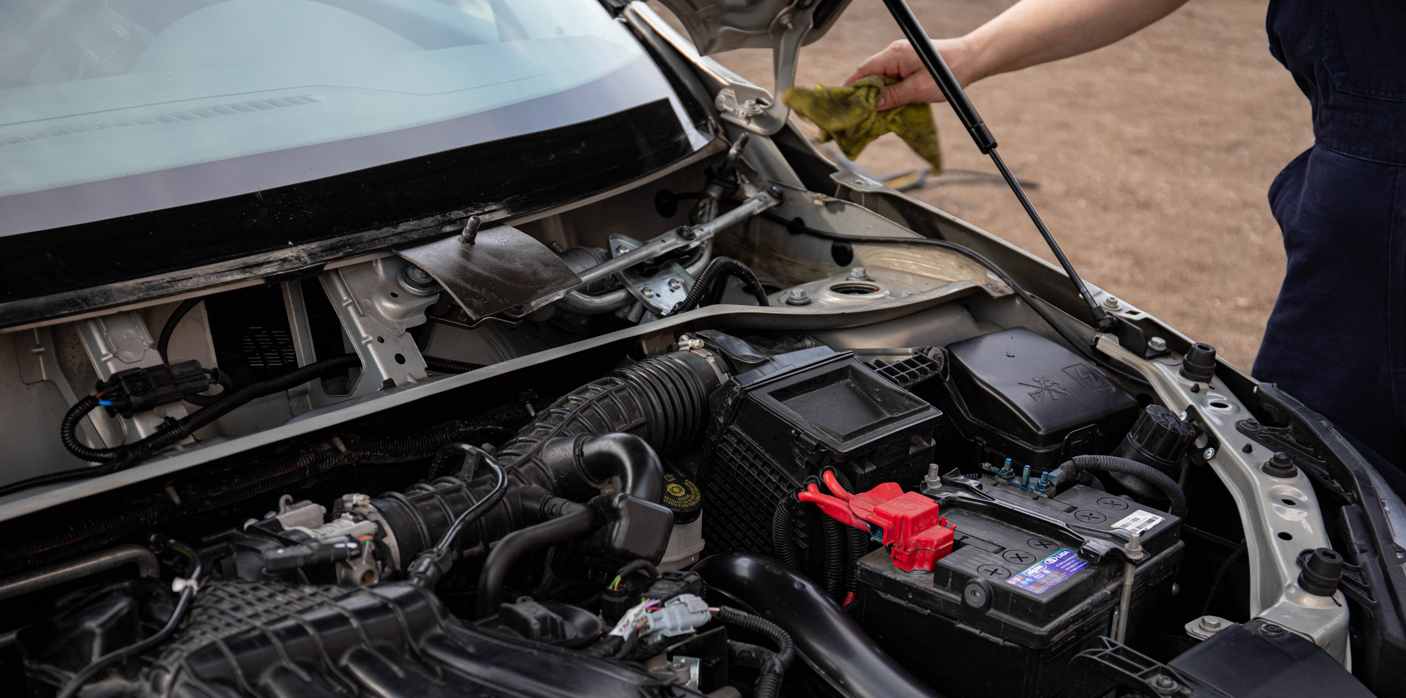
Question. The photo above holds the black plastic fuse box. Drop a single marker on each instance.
(1026, 397)
(1006, 611)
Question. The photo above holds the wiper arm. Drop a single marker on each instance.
(985, 142)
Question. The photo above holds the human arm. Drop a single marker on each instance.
(1028, 33)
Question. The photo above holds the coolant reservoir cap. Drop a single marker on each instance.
(683, 496)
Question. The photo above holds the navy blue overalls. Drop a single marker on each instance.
(1337, 337)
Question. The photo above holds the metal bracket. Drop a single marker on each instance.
(495, 271)
(752, 107)
(1281, 516)
(660, 291)
(376, 315)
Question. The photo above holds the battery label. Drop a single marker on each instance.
(1139, 522)
(1050, 572)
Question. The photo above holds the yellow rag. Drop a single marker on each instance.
(850, 116)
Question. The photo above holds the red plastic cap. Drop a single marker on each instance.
(912, 526)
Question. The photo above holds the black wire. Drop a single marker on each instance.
(183, 604)
(798, 226)
(176, 430)
(710, 283)
(68, 432)
(172, 321)
(500, 485)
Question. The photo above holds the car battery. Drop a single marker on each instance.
(1030, 582)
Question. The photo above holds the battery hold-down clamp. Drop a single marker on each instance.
(916, 535)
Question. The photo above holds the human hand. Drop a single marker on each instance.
(901, 62)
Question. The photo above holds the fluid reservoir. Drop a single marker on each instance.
(685, 499)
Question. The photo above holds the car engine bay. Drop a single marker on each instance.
(762, 455)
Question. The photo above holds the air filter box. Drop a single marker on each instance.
(1022, 396)
(788, 419)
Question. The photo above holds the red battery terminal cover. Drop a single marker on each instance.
(916, 534)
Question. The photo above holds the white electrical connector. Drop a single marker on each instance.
(679, 616)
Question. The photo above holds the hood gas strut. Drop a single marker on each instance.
(967, 114)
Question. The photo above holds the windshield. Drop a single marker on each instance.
(102, 90)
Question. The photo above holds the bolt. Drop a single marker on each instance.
(1163, 683)
(469, 235)
(1134, 546)
(417, 281)
(675, 284)
(1156, 345)
(647, 292)
(418, 276)
(797, 296)
(1208, 454)
(1111, 303)
(1211, 623)
(1271, 630)
(859, 274)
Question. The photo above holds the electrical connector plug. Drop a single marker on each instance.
(137, 390)
(679, 616)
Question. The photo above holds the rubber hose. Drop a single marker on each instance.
(783, 539)
(574, 521)
(1114, 464)
(706, 286)
(785, 648)
(662, 399)
(842, 654)
(579, 466)
(834, 568)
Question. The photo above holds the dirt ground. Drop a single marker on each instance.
(1153, 156)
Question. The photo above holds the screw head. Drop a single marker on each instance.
(647, 292)
(1209, 453)
(1212, 623)
(1163, 683)
(1111, 303)
(1156, 344)
(797, 296)
(859, 274)
(675, 284)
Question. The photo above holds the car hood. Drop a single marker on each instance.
(723, 25)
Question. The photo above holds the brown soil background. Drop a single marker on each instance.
(1153, 156)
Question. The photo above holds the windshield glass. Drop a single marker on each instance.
(96, 90)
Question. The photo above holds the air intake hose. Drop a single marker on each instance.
(608, 428)
(662, 400)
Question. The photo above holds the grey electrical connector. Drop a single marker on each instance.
(680, 615)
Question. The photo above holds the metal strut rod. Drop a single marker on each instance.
(985, 142)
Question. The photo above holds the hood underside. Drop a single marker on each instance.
(723, 25)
